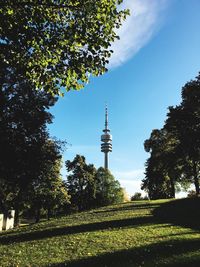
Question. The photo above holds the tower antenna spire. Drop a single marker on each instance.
(106, 116)
(106, 138)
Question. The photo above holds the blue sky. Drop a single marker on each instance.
(158, 53)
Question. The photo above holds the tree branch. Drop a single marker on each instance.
(23, 4)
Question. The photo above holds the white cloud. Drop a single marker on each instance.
(138, 29)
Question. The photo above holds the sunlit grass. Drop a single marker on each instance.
(120, 235)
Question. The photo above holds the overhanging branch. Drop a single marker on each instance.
(31, 4)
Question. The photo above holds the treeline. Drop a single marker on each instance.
(30, 161)
(174, 161)
(90, 188)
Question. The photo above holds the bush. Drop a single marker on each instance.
(136, 196)
(191, 194)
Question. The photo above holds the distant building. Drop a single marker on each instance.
(106, 139)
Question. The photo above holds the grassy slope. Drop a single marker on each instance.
(124, 235)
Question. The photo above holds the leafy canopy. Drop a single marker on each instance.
(57, 43)
(175, 149)
(28, 157)
(81, 182)
(108, 190)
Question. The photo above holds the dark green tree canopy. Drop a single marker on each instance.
(89, 187)
(57, 43)
(47, 191)
(81, 182)
(175, 149)
(184, 122)
(24, 154)
(23, 117)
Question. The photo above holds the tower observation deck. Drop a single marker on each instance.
(106, 139)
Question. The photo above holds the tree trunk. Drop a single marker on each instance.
(196, 178)
(17, 205)
(37, 215)
(16, 221)
(172, 189)
(48, 214)
(17, 209)
(2, 205)
(196, 183)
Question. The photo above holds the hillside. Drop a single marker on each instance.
(127, 235)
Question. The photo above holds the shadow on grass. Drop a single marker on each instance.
(160, 254)
(130, 207)
(105, 225)
(183, 212)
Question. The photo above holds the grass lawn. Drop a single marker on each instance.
(140, 233)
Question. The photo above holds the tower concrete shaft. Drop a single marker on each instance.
(106, 160)
(106, 139)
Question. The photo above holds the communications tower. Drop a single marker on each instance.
(106, 139)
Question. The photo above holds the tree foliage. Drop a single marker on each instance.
(26, 155)
(184, 122)
(108, 190)
(81, 182)
(175, 149)
(137, 196)
(48, 191)
(89, 187)
(57, 43)
(162, 168)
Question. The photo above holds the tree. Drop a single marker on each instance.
(57, 43)
(155, 183)
(175, 149)
(81, 182)
(136, 196)
(108, 190)
(184, 122)
(191, 194)
(89, 188)
(48, 191)
(163, 166)
(23, 133)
